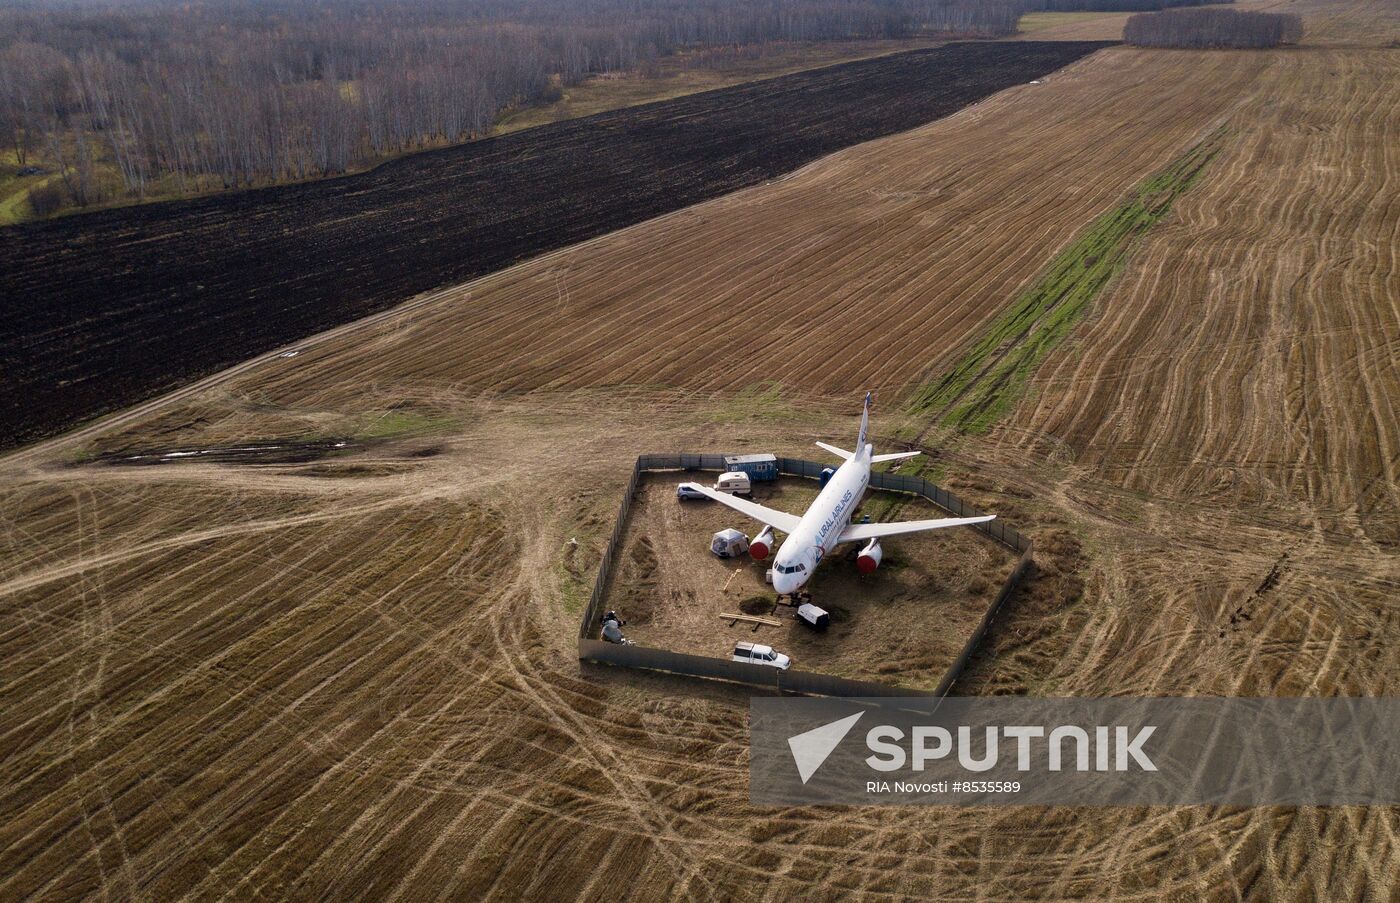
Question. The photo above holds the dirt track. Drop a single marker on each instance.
(104, 309)
(356, 676)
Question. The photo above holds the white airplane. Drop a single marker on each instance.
(827, 523)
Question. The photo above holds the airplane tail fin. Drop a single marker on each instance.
(864, 426)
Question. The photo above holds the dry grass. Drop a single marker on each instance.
(1085, 26)
(356, 677)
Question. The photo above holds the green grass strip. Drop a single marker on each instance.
(991, 377)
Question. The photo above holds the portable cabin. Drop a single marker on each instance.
(760, 468)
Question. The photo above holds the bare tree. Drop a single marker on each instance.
(33, 78)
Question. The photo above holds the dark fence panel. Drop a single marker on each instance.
(592, 614)
(653, 659)
(595, 650)
(959, 664)
(676, 663)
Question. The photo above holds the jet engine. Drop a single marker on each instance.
(869, 558)
(760, 545)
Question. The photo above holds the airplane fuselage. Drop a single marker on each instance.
(827, 521)
(822, 524)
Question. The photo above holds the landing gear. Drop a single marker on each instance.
(794, 599)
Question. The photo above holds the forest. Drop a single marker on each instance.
(1205, 28)
(208, 96)
(104, 100)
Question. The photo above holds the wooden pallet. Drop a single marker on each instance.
(755, 620)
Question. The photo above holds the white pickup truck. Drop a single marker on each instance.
(761, 655)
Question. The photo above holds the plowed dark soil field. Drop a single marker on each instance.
(103, 309)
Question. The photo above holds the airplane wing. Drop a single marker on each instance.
(778, 520)
(861, 532)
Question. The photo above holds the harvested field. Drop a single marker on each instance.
(104, 309)
(226, 681)
(1181, 389)
(978, 390)
(903, 625)
(240, 680)
(1236, 390)
(883, 258)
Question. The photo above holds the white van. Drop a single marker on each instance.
(735, 482)
(761, 655)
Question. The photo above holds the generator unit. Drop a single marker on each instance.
(729, 543)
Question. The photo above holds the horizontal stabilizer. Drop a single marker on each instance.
(862, 532)
(778, 520)
(894, 456)
(838, 452)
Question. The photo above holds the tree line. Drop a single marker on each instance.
(180, 96)
(1204, 28)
